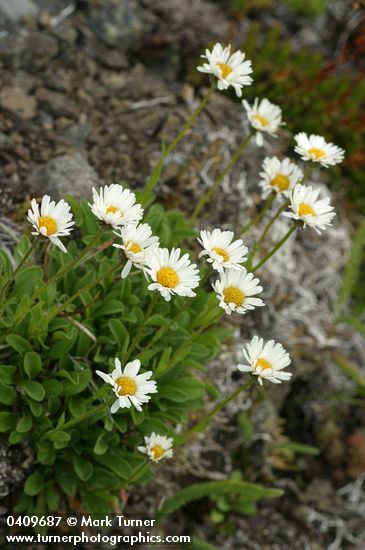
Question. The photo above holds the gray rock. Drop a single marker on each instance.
(113, 59)
(120, 23)
(56, 103)
(13, 10)
(15, 100)
(77, 134)
(15, 463)
(39, 46)
(67, 174)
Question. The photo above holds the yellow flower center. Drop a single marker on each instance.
(133, 247)
(225, 69)
(305, 209)
(112, 209)
(49, 223)
(263, 363)
(262, 120)
(167, 277)
(233, 295)
(281, 182)
(317, 153)
(157, 451)
(126, 386)
(222, 253)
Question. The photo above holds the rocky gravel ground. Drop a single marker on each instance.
(89, 90)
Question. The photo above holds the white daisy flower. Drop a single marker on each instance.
(236, 291)
(307, 208)
(316, 149)
(116, 206)
(222, 252)
(53, 220)
(157, 447)
(130, 387)
(170, 273)
(229, 69)
(280, 176)
(264, 117)
(266, 360)
(137, 240)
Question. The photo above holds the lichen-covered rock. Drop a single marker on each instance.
(66, 174)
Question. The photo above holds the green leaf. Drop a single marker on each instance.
(46, 453)
(137, 416)
(34, 484)
(65, 478)
(53, 388)
(83, 468)
(7, 374)
(33, 389)
(18, 343)
(26, 281)
(96, 504)
(114, 460)
(183, 389)
(120, 335)
(7, 421)
(154, 425)
(250, 491)
(36, 408)
(197, 544)
(164, 361)
(296, 448)
(353, 372)
(76, 405)
(15, 437)
(216, 516)
(352, 270)
(110, 307)
(354, 322)
(52, 497)
(73, 388)
(101, 445)
(246, 426)
(32, 364)
(102, 480)
(60, 438)
(7, 394)
(24, 424)
(156, 320)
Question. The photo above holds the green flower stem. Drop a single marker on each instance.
(98, 394)
(162, 330)
(275, 248)
(307, 172)
(136, 473)
(46, 261)
(210, 192)
(202, 423)
(31, 249)
(75, 261)
(194, 336)
(153, 179)
(26, 256)
(259, 242)
(260, 214)
(139, 335)
(81, 418)
(66, 268)
(72, 298)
